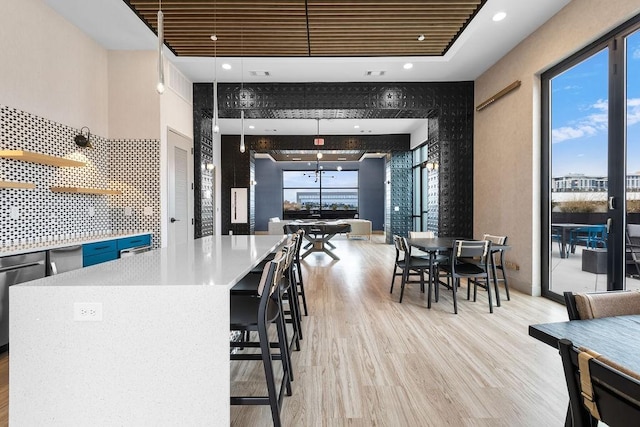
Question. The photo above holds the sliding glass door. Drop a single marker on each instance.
(591, 167)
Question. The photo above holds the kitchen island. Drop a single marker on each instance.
(142, 340)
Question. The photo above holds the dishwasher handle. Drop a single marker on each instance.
(66, 249)
(20, 266)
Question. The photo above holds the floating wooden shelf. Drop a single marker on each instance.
(13, 184)
(42, 159)
(80, 190)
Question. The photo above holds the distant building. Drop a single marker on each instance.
(577, 182)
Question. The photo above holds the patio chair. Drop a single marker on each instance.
(633, 250)
(591, 236)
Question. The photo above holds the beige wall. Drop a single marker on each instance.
(134, 104)
(507, 133)
(50, 68)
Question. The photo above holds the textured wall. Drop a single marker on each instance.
(450, 104)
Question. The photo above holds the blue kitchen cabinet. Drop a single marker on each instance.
(108, 250)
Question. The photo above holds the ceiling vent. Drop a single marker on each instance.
(374, 73)
(259, 73)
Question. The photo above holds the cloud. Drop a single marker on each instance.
(633, 111)
(636, 53)
(588, 125)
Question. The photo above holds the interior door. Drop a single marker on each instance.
(180, 209)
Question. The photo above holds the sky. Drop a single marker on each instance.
(579, 115)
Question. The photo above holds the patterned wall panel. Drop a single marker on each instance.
(46, 216)
(204, 220)
(450, 105)
(135, 169)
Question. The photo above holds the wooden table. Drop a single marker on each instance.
(436, 244)
(318, 234)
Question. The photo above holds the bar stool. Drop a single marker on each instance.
(249, 313)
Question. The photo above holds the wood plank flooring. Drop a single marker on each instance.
(367, 360)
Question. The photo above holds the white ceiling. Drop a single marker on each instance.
(113, 25)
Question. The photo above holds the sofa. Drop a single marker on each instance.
(359, 228)
(276, 225)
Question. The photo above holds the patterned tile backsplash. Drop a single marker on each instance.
(132, 166)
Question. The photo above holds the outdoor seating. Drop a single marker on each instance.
(633, 250)
(590, 236)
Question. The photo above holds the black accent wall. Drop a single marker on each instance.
(450, 139)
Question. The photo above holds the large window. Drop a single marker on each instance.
(322, 193)
(591, 129)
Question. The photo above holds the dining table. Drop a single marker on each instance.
(435, 245)
(563, 231)
(617, 338)
(318, 234)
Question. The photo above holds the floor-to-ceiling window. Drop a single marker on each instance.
(591, 165)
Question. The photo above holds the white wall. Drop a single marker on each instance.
(50, 68)
(134, 104)
(507, 133)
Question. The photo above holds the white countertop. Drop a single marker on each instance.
(19, 249)
(214, 260)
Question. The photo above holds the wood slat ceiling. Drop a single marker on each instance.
(299, 28)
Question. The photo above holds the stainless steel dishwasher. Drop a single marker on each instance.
(13, 270)
(64, 259)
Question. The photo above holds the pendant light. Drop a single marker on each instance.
(242, 147)
(160, 86)
(214, 37)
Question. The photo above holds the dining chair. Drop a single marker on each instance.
(599, 389)
(249, 285)
(497, 260)
(633, 250)
(407, 266)
(250, 313)
(420, 235)
(595, 305)
(469, 260)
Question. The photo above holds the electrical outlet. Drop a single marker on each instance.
(14, 212)
(512, 265)
(87, 311)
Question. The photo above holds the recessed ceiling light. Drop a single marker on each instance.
(421, 37)
(339, 168)
(226, 66)
(252, 127)
(296, 158)
(499, 16)
(356, 126)
(214, 38)
(342, 158)
(408, 66)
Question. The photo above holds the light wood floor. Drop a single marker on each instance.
(367, 360)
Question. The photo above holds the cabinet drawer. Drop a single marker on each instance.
(99, 247)
(88, 260)
(134, 242)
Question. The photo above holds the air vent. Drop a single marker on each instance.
(180, 84)
(374, 73)
(259, 73)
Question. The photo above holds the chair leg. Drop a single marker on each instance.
(489, 295)
(301, 285)
(455, 299)
(285, 354)
(269, 375)
(393, 277)
(506, 285)
(405, 277)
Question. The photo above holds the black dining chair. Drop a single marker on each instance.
(251, 313)
(599, 389)
(497, 260)
(407, 266)
(469, 260)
